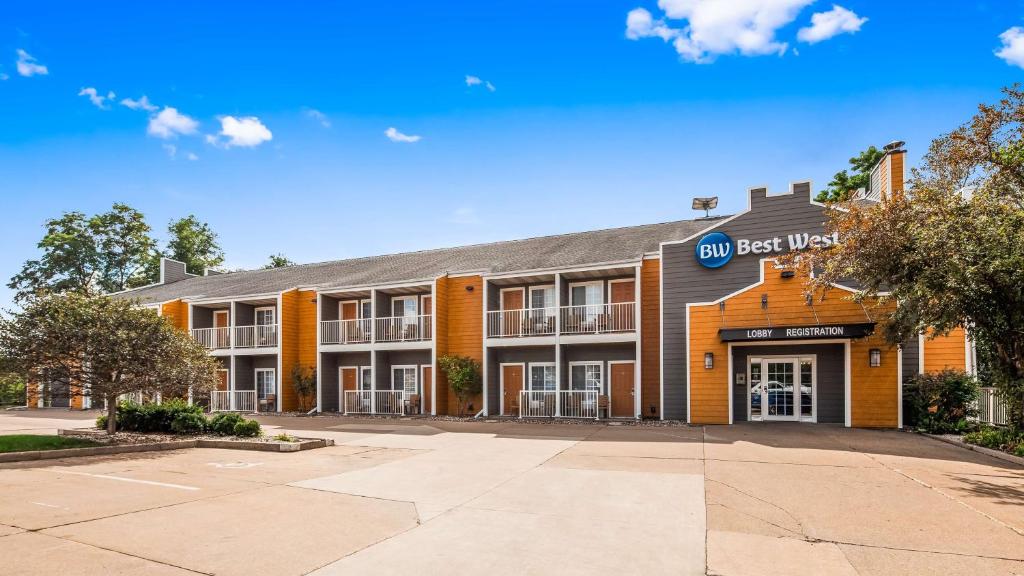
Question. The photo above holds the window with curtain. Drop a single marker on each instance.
(264, 316)
(405, 379)
(542, 378)
(586, 377)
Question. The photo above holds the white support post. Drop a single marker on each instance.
(637, 388)
(231, 329)
(487, 407)
(231, 382)
(319, 375)
(373, 352)
(279, 373)
(558, 345)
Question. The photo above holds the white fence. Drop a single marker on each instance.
(233, 401)
(375, 402)
(991, 408)
(404, 328)
(562, 404)
(346, 331)
(598, 318)
(213, 338)
(262, 336)
(525, 322)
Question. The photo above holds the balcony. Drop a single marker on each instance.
(213, 338)
(404, 328)
(346, 331)
(261, 336)
(561, 404)
(572, 320)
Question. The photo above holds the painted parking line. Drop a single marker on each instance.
(123, 479)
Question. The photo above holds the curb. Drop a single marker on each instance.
(305, 444)
(980, 449)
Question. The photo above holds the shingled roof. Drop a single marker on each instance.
(541, 253)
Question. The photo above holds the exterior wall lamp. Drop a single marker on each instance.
(875, 357)
(709, 360)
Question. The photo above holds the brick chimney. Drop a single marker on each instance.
(888, 175)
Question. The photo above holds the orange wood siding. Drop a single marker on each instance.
(874, 391)
(298, 340)
(464, 330)
(441, 341)
(177, 311)
(949, 351)
(650, 338)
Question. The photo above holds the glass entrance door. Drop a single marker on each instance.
(781, 388)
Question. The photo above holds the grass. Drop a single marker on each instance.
(29, 442)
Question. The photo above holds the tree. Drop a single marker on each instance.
(463, 374)
(949, 251)
(304, 384)
(843, 184)
(101, 253)
(278, 261)
(192, 242)
(101, 347)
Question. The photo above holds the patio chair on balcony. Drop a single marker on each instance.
(602, 406)
(412, 404)
(411, 332)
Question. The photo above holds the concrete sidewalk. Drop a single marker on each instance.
(424, 497)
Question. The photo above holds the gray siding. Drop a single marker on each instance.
(911, 358)
(245, 314)
(245, 369)
(831, 385)
(684, 280)
(593, 353)
(388, 358)
(498, 356)
(202, 317)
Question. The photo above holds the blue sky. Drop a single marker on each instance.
(277, 130)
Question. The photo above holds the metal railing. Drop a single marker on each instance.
(404, 328)
(598, 318)
(991, 408)
(346, 331)
(233, 401)
(374, 402)
(261, 336)
(559, 404)
(523, 322)
(212, 338)
(537, 403)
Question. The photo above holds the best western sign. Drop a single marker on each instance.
(716, 249)
(813, 332)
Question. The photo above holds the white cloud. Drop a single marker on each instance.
(825, 25)
(171, 149)
(29, 66)
(1013, 46)
(319, 117)
(713, 28)
(464, 215)
(192, 156)
(169, 123)
(3, 76)
(98, 100)
(140, 104)
(395, 136)
(477, 81)
(246, 132)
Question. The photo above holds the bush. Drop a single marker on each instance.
(224, 423)
(151, 417)
(940, 402)
(998, 439)
(247, 428)
(188, 423)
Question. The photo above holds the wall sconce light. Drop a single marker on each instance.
(709, 360)
(469, 288)
(764, 301)
(788, 273)
(875, 357)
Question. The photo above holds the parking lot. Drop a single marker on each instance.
(424, 497)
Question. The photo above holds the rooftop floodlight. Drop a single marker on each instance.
(705, 204)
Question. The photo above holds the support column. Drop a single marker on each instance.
(637, 313)
(558, 344)
(319, 375)
(487, 405)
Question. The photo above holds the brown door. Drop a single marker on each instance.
(428, 386)
(623, 292)
(622, 390)
(427, 306)
(349, 310)
(349, 382)
(222, 385)
(512, 383)
(220, 319)
(512, 300)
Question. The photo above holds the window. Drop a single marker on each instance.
(404, 306)
(404, 378)
(586, 376)
(266, 387)
(365, 378)
(542, 296)
(365, 309)
(586, 293)
(543, 377)
(264, 316)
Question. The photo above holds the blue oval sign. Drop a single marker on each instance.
(714, 250)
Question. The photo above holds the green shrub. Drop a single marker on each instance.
(224, 423)
(940, 402)
(247, 428)
(188, 423)
(101, 422)
(152, 417)
(283, 437)
(998, 439)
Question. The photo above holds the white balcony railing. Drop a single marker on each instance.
(233, 401)
(346, 331)
(262, 336)
(598, 318)
(524, 322)
(404, 328)
(374, 402)
(562, 403)
(213, 338)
